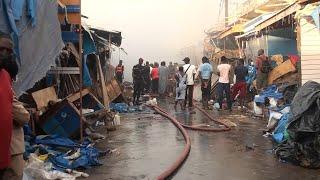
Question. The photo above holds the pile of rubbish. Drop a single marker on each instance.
(302, 128)
(56, 157)
(294, 121)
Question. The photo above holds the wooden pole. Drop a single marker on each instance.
(226, 12)
(103, 85)
(81, 78)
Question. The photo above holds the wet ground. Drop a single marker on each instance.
(146, 144)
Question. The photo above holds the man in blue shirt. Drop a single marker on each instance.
(205, 74)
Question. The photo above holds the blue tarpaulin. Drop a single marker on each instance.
(269, 92)
(119, 107)
(87, 81)
(38, 36)
(51, 144)
(278, 133)
(56, 141)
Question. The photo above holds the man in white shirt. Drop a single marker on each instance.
(224, 84)
(190, 71)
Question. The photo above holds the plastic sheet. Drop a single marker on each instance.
(37, 169)
(303, 145)
(279, 132)
(119, 107)
(269, 92)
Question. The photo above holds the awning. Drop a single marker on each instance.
(238, 28)
(278, 16)
(247, 34)
(116, 37)
(251, 25)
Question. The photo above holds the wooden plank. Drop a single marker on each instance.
(280, 71)
(43, 97)
(116, 87)
(105, 97)
(73, 18)
(76, 96)
(70, 2)
(112, 95)
(64, 70)
(310, 70)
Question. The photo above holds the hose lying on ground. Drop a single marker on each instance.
(211, 118)
(197, 128)
(207, 129)
(177, 164)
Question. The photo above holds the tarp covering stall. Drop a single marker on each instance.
(39, 42)
(116, 38)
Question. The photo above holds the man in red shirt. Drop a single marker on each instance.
(6, 99)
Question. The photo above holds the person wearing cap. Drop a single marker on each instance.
(190, 71)
(119, 72)
(6, 100)
(138, 81)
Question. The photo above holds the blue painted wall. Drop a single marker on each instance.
(279, 45)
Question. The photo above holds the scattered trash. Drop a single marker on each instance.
(37, 169)
(93, 135)
(119, 107)
(216, 106)
(116, 120)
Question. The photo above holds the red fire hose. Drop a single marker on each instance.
(197, 128)
(175, 166)
(178, 163)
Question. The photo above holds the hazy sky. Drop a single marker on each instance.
(153, 29)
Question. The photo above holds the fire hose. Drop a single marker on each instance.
(177, 164)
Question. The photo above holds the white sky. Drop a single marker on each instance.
(155, 30)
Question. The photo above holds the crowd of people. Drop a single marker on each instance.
(166, 80)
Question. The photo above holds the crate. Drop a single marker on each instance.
(62, 119)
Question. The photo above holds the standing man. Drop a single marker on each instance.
(205, 73)
(223, 86)
(190, 71)
(163, 78)
(6, 100)
(241, 86)
(20, 118)
(138, 81)
(119, 72)
(147, 75)
(263, 68)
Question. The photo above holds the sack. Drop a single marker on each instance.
(265, 66)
